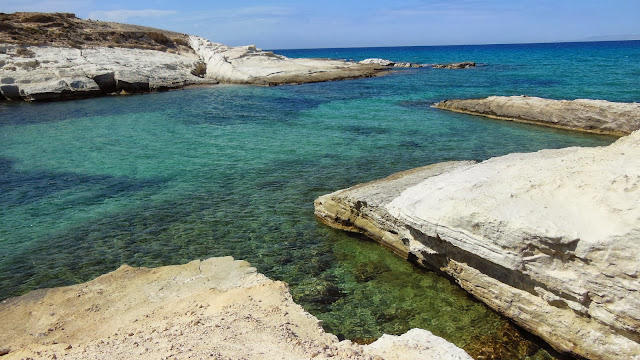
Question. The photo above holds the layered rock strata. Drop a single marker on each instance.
(40, 73)
(596, 116)
(550, 239)
(217, 308)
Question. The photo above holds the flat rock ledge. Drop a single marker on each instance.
(595, 116)
(219, 308)
(550, 239)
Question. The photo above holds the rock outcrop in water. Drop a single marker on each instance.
(401, 64)
(550, 239)
(597, 116)
(58, 56)
(460, 65)
(216, 308)
(389, 63)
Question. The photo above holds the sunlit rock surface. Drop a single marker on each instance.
(58, 73)
(250, 65)
(598, 116)
(54, 56)
(216, 308)
(551, 239)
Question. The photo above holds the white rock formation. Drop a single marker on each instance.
(416, 344)
(389, 63)
(54, 73)
(249, 65)
(598, 116)
(377, 61)
(216, 308)
(550, 239)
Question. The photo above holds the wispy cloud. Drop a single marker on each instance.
(124, 15)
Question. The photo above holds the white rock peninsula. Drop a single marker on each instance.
(219, 308)
(58, 57)
(550, 239)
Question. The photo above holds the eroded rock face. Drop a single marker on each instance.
(250, 65)
(216, 308)
(597, 116)
(60, 73)
(550, 239)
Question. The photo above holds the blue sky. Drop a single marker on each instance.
(345, 23)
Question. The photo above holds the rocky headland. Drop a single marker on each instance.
(596, 116)
(219, 308)
(58, 56)
(550, 239)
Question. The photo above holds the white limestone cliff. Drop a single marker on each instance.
(57, 73)
(550, 239)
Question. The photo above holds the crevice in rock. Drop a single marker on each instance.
(106, 82)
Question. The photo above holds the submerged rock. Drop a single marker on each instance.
(597, 116)
(215, 308)
(550, 239)
(460, 65)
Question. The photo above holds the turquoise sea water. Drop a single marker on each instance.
(166, 178)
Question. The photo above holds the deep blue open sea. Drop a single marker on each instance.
(166, 178)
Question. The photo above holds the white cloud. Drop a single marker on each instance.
(124, 15)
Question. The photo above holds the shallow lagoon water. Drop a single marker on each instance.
(166, 178)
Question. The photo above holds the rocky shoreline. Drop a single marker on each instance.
(217, 308)
(70, 58)
(549, 239)
(595, 116)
